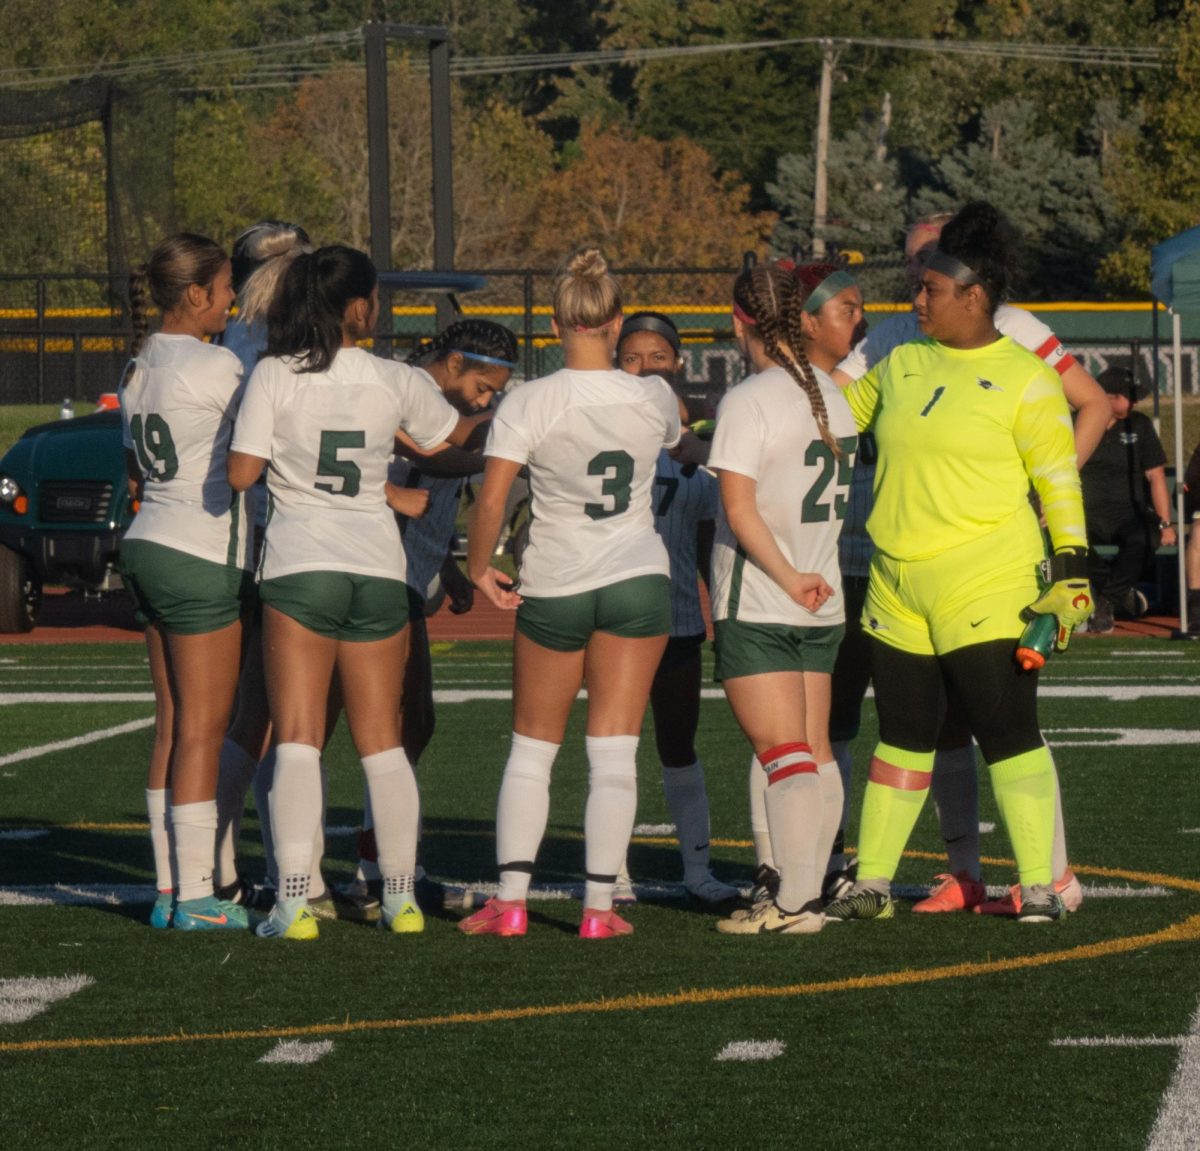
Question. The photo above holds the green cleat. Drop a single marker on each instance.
(863, 904)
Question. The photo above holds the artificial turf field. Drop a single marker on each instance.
(919, 1032)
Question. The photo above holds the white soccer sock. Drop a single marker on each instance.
(522, 811)
(316, 881)
(295, 814)
(609, 815)
(687, 802)
(264, 777)
(235, 772)
(760, 832)
(394, 807)
(829, 777)
(158, 801)
(195, 827)
(955, 788)
(1058, 857)
(368, 869)
(795, 812)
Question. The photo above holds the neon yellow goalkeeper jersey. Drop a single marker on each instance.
(961, 434)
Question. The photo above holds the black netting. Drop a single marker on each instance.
(87, 188)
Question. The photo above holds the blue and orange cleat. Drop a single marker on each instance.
(209, 914)
(163, 910)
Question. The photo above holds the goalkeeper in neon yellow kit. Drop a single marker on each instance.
(965, 420)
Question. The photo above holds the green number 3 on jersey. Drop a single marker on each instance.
(617, 470)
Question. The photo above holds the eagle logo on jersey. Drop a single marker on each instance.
(987, 385)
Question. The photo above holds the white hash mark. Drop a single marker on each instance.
(294, 1051)
(751, 1051)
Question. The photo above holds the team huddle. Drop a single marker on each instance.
(892, 508)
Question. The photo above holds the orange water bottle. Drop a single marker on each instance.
(1037, 642)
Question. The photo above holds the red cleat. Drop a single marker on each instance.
(955, 893)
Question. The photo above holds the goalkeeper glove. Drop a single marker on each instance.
(1067, 594)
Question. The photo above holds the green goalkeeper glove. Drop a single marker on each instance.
(1067, 595)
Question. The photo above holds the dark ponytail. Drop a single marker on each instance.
(305, 318)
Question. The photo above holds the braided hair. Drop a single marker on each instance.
(175, 265)
(470, 337)
(771, 297)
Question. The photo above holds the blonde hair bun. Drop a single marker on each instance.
(585, 295)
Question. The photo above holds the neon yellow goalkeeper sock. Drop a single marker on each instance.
(896, 790)
(1024, 787)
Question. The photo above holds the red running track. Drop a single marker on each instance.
(67, 617)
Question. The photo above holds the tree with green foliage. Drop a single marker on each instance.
(867, 204)
(1055, 197)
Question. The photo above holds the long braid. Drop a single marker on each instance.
(773, 301)
(138, 292)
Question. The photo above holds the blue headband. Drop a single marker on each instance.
(829, 287)
(509, 364)
(947, 265)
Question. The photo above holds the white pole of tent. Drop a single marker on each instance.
(1179, 540)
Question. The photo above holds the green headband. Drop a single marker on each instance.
(829, 287)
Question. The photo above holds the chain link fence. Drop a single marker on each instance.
(67, 336)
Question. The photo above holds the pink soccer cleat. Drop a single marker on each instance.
(497, 917)
(955, 893)
(603, 925)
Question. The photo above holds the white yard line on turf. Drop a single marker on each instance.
(9, 699)
(1178, 1123)
(1122, 1041)
(77, 741)
(26, 996)
(1120, 737)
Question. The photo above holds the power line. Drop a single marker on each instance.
(260, 72)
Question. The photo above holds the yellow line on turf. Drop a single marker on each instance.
(1187, 931)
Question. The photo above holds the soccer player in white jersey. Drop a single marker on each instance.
(261, 254)
(685, 503)
(955, 783)
(783, 450)
(186, 559)
(324, 413)
(594, 598)
(471, 362)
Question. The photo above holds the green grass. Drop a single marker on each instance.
(960, 1061)
(15, 418)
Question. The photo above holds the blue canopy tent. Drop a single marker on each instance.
(1175, 280)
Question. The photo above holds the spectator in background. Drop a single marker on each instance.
(1191, 515)
(1129, 457)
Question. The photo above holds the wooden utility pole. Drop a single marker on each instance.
(821, 182)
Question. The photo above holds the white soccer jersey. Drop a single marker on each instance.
(426, 540)
(766, 431)
(1022, 326)
(591, 440)
(328, 436)
(178, 405)
(683, 498)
